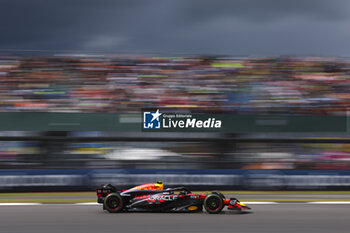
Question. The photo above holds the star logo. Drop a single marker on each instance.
(151, 119)
(156, 115)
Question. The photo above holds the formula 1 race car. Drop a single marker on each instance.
(152, 197)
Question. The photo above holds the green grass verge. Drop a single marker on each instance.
(42, 194)
(54, 194)
(83, 200)
(292, 200)
(285, 192)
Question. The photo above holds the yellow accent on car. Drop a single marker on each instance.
(192, 207)
(159, 186)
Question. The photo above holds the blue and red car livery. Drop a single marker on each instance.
(153, 197)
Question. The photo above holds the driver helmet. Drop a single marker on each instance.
(159, 185)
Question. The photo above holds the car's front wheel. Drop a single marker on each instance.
(113, 203)
(213, 203)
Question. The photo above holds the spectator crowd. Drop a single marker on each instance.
(125, 84)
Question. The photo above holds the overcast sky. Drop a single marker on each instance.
(250, 27)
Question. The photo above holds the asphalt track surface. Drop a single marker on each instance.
(261, 196)
(279, 218)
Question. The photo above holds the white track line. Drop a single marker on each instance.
(260, 202)
(330, 202)
(19, 204)
(87, 203)
(248, 203)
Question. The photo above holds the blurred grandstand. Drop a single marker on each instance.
(125, 84)
(284, 86)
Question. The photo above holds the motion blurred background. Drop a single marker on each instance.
(71, 122)
(75, 76)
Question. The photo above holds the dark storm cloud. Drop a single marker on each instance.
(178, 26)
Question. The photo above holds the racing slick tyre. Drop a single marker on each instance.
(220, 194)
(113, 203)
(213, 203)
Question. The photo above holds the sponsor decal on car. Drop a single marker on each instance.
(163, 198)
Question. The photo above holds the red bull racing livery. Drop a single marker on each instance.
(152, 197)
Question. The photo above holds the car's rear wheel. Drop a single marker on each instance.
(213, 203)
(113, 203)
